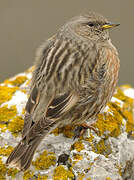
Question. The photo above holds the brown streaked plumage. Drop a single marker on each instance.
(75, 76)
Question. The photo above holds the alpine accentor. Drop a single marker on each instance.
(76, 73)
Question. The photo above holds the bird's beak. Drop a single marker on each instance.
(110, 25)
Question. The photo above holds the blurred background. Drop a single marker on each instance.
(24, 25)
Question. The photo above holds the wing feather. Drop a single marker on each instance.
(30, 107)
(60, 105)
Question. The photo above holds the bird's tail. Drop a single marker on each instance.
(22, 155)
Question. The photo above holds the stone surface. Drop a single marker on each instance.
(108, 155)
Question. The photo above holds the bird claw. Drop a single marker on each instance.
(80, 130)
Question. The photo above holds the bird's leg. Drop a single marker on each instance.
(86, 126)
(80, 130)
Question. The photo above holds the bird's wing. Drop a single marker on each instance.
(34, 97)
(60, 105)
(30, 107)
(57, 105)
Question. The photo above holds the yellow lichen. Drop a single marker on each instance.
(90, 138)
(127, 109)
(7, 113)
(120, 95)
(77, 157)
(12, 172)
(24, 91)
(42, 177)
(3, 170)
(28, 82)
(28, 175)
(17, 81)
(81, 176)
(23, 111)
(119, 168)
(66, 130)
(2, 177)
(60, 173)
(130, 121)
(110, 122)
(3, 127)
(9, 120)
(16, 125)
(108, 178)
(56, 131)
(5, 151)
(44, 161)
(78, 146)
(6, 93)
(102, 148)
(116, 119)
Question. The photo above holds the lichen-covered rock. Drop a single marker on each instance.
(106, 155)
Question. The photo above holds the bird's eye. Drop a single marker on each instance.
(90, 24)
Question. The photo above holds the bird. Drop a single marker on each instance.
(76, 74)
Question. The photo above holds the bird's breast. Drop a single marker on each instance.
(112, 70)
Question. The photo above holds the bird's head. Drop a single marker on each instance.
(92, 26)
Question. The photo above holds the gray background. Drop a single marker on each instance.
(24, 25)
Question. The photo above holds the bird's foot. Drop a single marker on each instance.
(80, 130)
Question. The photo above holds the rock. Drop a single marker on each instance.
(108, 155)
